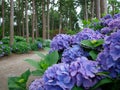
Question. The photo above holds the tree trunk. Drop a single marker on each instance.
(103, 5)
(11, 22)
(60, 25)
(43, 20)
(113, 8)
(27, 31)
(48, 20)
(3, 24)
(23, 34)
(86, 11)
(92, 8)
(18, 19)
(97, 9)
(33, 20)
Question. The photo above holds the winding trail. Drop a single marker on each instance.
(14, 65)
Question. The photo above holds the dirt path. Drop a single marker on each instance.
(14, 65)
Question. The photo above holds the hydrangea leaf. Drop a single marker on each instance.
(77, 88)
(102, 82)
(18, 83)
(33, 63)
(40, 54)
(37, 72)
(52, 58)
(93, 54)
(92, 43)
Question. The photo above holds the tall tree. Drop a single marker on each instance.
(26, 16)
(11, 22)
(43, 20)
(48, 20)
(3, 26)
(103, 5)
(85, 11)
(97, 9)
(33, 19)
(92, 8)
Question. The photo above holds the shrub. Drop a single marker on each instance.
(7, 49)
(19, 39)
(20, 47)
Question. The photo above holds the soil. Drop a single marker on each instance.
(14, 65)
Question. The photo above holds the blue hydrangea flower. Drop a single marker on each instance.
(109, 58)
(84, 72)
(37, 84)
(106, 30)
(85, 35)
(58, 76)
(116, 16)
(60, 42)
(70, 54)
(114, 24)
(39, 44)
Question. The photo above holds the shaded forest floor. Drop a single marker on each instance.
(14, 65)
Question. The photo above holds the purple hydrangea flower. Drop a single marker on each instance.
(85, 35)
(84, 72)
(37, 84)
(58, 76)
(115, 24)
(109, 58)
(60, 42)
(116, 16)
(69, 55)
(1, 42)
(106, 30)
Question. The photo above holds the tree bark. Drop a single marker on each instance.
(92, 8)
(60, 25)
(27, 31)
(97, 9)
(3, 23)
(103, 5)
(11, 22)
(86, 11)
(33, 20)
(43, 20)
(48, 20)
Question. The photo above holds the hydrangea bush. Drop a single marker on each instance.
(77, 70)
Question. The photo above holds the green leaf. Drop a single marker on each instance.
(26, 75)
(33, 63)
(46, 48)
(93, 54)
(52, 58)
(92, 43)
(106, 74)
(87, 43)
(38, 72)
(99, 42)
(40, 54)
(77, 88)
(101, 82)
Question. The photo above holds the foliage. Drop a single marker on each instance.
(19, 83)
(46, 62)
(19, 39)
(20, 47)
(7, 50)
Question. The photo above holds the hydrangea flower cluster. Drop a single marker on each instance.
(58, 76)
(76, 69)
(1, 49)
(60, 42)
(84, 72)
(37, 84)
(86, 34)
(70, 54)
(110, 23)
(109, 58)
